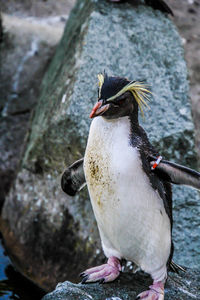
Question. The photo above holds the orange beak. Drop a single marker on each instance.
(99, 109)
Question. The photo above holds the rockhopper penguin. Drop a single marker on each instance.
(130, 190)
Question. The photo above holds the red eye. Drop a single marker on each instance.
(120, 102)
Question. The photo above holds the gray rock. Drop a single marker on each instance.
(59, 232)
(1, 29)
(23, 63)
(24, 60)
(127, 287)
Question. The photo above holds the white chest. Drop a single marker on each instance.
(128, 211)
(112, 166)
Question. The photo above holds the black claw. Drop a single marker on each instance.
(82, 274)
(137, 298)
(85, 279)
(102, 280)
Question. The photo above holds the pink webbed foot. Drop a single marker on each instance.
(155, 292)
(104, 273)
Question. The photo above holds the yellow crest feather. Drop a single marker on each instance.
(101, 81)
(140, 93)
(138, 89)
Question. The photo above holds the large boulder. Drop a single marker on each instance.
(128, 286)
(23, 64)
(50, 236)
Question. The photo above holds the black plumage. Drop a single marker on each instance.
(112, 85)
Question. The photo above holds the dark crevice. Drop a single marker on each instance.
(21, 112)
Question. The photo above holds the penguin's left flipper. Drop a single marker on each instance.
(177, 174)
(73, 178)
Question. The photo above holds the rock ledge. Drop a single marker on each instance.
(179, 287)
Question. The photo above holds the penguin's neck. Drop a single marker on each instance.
(110, 132)
(133, 117)
(115, 130)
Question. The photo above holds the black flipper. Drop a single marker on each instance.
(73, 178)
(177, 174)
(161, 5)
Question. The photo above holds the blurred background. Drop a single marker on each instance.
(29, 33)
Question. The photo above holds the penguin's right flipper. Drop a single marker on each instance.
(73, 178)
(177, 174)
(160, 5)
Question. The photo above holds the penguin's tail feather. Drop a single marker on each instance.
(176, 268)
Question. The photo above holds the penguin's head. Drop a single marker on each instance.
(119, 97)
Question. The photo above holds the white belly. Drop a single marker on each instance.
(130, 215)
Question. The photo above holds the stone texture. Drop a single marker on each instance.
(23, 63)
(127, 287)
(37, 9)
(187, 21)
(1, 29)
(49, 235)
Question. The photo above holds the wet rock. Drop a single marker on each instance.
(127, 287)
(12, 132)
(39, 9)
(49, 235)
(26, 48)
(24, 61)
(1, 29)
